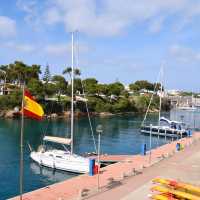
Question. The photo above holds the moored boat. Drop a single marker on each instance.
(170, 128)
(64, 159)
(60, 159)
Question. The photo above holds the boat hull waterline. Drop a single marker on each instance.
(61, 160)
(163, 131)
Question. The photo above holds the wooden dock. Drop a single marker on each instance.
(125, 166)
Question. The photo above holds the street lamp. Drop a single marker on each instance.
(99, 130)
(150, 143)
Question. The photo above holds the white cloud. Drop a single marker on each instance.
(24, 48)
(7, 27)
(184, 54)
(64, 49)
(33, 10)
(114, 16)
(156, 25)
(56, 49)
(107, 17)
(52, 16)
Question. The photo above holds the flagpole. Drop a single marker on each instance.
(21, 174)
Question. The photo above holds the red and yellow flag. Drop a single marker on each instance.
(31, 108)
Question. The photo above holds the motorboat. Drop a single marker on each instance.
(171, 129)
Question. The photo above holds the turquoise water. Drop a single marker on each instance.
(121, 135)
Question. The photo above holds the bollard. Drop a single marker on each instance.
(91, 167)
(178, 146)
(181, 146)
(189, 133)
(134, 171)
(96, 169)
(143, 149)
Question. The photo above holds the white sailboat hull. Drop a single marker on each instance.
(61, 160)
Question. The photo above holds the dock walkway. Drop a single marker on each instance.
(128, 166)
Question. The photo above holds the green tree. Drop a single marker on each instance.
(134, 87)
(3, 75)
(90, 86)
(36, 88)
(123, 105)
(12, 100)
(102, 89)
(17, 72)
(33, 71)
(143, 84)
(78, 85)
(50, 89)
(68, 71)
(47, 74)
(61, 84)
(115, 88)
(141, 103)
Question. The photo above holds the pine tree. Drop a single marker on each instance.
(47, 74)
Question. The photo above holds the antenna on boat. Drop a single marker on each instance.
(151, 99)
(161, 90)
(72, 97)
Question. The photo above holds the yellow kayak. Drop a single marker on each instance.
(178, 194)
(162, 197)
(178, 185)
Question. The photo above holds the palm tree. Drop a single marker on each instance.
(68, 70)
(77, 72)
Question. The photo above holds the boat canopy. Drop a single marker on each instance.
(163, 119)
(57, 140)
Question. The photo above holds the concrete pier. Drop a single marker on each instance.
(114, 176)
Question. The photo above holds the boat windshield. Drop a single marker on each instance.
(51, 146)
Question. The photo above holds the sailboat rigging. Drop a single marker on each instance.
(171, 128)
(63, 159)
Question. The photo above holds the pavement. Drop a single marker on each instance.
(182, 166)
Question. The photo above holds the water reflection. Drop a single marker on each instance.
(50, 174)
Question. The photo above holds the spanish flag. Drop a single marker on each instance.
(31, 108)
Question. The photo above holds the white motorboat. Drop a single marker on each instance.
(62, 159)
(172, 129)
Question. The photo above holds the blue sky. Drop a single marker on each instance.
(123, 40)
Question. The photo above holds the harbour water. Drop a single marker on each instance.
(121, 135)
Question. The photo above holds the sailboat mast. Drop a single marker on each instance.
(161, 89)
(21, 172)
(72, 97)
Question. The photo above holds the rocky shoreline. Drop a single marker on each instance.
(12, 114)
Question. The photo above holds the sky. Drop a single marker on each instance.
(124, 40)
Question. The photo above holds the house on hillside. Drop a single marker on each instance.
(146, 92)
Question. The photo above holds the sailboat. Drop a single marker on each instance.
(169, 128)
(64, 159)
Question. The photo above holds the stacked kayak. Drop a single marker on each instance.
(166, 189)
